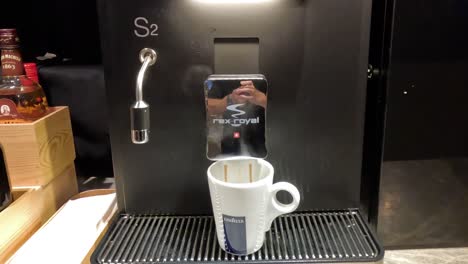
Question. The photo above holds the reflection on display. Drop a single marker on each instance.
(235, 115)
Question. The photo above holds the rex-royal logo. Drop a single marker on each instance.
(234, 108)
(236, 121)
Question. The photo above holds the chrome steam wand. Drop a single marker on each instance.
(139, 111)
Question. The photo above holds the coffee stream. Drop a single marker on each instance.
(226, 179)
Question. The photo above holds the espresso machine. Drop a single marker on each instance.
(158, 56)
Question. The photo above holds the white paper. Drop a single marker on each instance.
(68, 237)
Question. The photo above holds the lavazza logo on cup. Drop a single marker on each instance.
(244, 202)
(234, 228)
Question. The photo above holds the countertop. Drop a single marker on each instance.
(427, 256)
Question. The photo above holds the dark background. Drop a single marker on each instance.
(429, 61)
(66, 28)
(422, 91)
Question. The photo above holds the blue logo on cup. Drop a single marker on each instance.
(235, 240)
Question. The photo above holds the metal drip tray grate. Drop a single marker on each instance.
(338, 236)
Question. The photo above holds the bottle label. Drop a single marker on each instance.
(12, 64)
(8, 108)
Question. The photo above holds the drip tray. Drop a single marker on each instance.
(314, 237)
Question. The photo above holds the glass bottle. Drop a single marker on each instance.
(21, 99)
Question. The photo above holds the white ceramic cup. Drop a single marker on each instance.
(244, 202)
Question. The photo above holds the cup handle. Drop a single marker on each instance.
(276, 208)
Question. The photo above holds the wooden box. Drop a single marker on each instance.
(37, 152)
(31, 208)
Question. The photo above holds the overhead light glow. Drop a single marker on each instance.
(231, 1)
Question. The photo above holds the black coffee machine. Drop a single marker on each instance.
(313, 55)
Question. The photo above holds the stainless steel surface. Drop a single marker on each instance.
(236, 106)
(147, 61)
(148, 53)
(344, 239)
(140, 109)
(140, 136)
